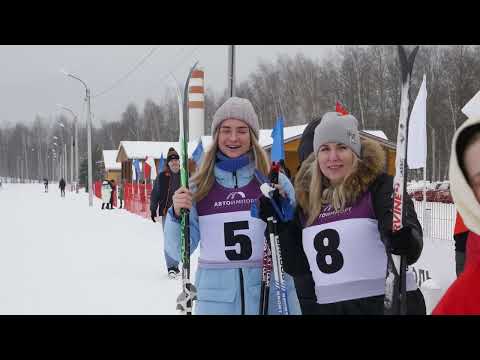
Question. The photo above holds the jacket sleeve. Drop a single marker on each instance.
(154, 196)
(172, 233)
(382, 196)
(163, 191)
(294, 259)
(286, 184)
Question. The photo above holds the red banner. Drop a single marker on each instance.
(97, 189)
(137, 198)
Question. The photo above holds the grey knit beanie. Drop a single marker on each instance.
(236, 108)
(337, 128)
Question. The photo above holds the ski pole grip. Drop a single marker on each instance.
(274, 170)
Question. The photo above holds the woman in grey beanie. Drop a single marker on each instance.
(231, 240)
(343, 222)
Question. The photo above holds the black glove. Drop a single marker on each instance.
(401, 241)
(266, 210)
(153, 217)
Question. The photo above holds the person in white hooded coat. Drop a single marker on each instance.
(463, 296)
(106, 193)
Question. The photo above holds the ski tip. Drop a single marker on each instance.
(406, 63)
(185, 103)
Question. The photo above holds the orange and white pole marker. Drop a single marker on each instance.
(196, 105)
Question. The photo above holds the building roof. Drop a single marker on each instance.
(377, 133)
(109, 159)
(129, 150)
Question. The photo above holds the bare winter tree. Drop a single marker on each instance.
(152, 116)
(132, 123)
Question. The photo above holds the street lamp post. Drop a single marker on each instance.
(231, 70)
(89, 137)
(71, 163)
(58, 159)
(74, 145)
(38, 164)
(65, 154)
(54, 164)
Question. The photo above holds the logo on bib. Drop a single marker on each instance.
(329, 210)
(232, 195)
(241, 199)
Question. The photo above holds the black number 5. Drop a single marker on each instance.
(331, 250)
(231, 239)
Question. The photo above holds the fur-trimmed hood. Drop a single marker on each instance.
(463, 196)
(372, 164)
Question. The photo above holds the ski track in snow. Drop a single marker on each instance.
(58, 256)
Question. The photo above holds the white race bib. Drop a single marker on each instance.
(232, 239)
(347, 259)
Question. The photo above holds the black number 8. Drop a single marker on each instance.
(331, 249)
(231, 239)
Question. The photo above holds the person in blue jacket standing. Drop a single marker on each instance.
(221, 194)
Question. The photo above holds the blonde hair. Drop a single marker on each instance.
(322, 192)
(204, 177)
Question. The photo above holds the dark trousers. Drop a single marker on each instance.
(62, 192)
(459, 262)
(369, 306)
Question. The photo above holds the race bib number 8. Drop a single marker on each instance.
(328, 251)
(344, 251)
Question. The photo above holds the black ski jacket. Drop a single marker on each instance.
(296, 264)
(165, 185)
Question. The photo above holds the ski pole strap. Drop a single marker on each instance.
(274, 171)
(282, 206)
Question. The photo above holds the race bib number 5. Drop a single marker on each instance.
(232, 239)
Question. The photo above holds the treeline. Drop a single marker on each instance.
(365, 79)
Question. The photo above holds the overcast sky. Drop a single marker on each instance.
(31, 82)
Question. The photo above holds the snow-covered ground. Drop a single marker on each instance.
(59, 256)
(435, 269)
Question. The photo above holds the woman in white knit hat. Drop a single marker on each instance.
(463, 296)
(343, 222)
(221, 193)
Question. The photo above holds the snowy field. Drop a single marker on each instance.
(59, 256)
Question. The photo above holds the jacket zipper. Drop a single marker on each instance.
(165, 207)
(242, 293)
(242, 290)
(236, 179)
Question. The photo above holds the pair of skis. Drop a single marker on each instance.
(395, 302)
(189, 292)
(272, 259)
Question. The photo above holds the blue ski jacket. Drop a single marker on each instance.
(233, 291)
